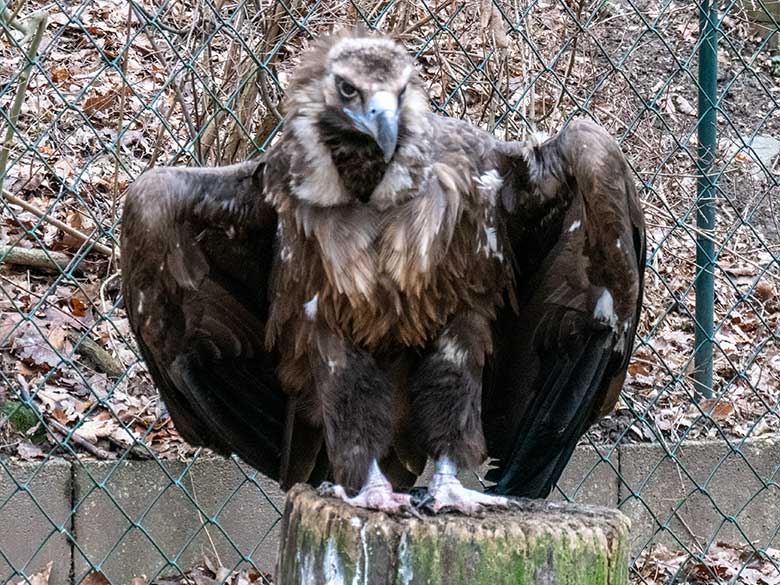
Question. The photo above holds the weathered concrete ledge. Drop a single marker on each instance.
(324, 540)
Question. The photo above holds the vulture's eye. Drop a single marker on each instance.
(346, 89)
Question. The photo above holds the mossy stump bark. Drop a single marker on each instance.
(327, 542)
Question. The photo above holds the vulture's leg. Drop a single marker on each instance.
(356, 403)
(446, 392)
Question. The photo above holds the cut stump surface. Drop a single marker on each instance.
(327, 542)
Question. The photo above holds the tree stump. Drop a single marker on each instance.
(327, 542)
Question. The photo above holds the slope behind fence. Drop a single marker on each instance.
(93, 476)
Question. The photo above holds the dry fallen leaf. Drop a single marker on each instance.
(80, 222)
(721, 411)
(40, 578)
(95, 429)
(28, 451)
(64, 168)
(95, 578)
(764, 291)
(103, 102)
(60, 73)
(684, 106)
(57, 338)
(31, 344)
(78, 306)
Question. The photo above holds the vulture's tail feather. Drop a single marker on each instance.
(552, 424)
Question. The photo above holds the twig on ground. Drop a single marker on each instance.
(62, 433)
(97, 246)
(104, 307)
(427, 19)
(569, 67)
(202, 520)
(158, 54)
(120, 123)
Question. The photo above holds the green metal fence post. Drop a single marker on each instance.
(706, 192)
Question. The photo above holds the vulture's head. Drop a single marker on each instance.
(355, 97)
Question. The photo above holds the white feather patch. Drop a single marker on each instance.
(305, 568)
(575, 225)
(285, 254)
(620, 346)
(490, 247)
(451, 352)
(489, 183)
(310, 307)
(605, 308)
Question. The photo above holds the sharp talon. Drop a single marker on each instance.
(424, 502)
(325, 489)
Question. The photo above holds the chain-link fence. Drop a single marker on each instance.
(95, 484)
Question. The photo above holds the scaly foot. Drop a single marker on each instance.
(376, 494)
(375, 497)
(446, 492)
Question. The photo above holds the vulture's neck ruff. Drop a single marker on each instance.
(333, 122)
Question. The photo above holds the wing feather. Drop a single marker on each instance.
(570, 208)
(197, 253)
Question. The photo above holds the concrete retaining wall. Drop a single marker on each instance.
(147, 517)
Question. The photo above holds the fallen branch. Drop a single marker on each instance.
(34, 257)
(102, 360)
(61, 432)
(82, 237)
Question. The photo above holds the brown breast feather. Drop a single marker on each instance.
(384, 280)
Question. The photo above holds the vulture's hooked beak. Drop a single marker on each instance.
(380, 121)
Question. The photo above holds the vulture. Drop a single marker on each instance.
(386, 286)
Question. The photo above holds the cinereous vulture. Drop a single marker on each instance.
(385, 286)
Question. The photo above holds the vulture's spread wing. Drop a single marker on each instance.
(197, 249)
(576, 233)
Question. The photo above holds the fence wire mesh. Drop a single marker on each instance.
(95, 484)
